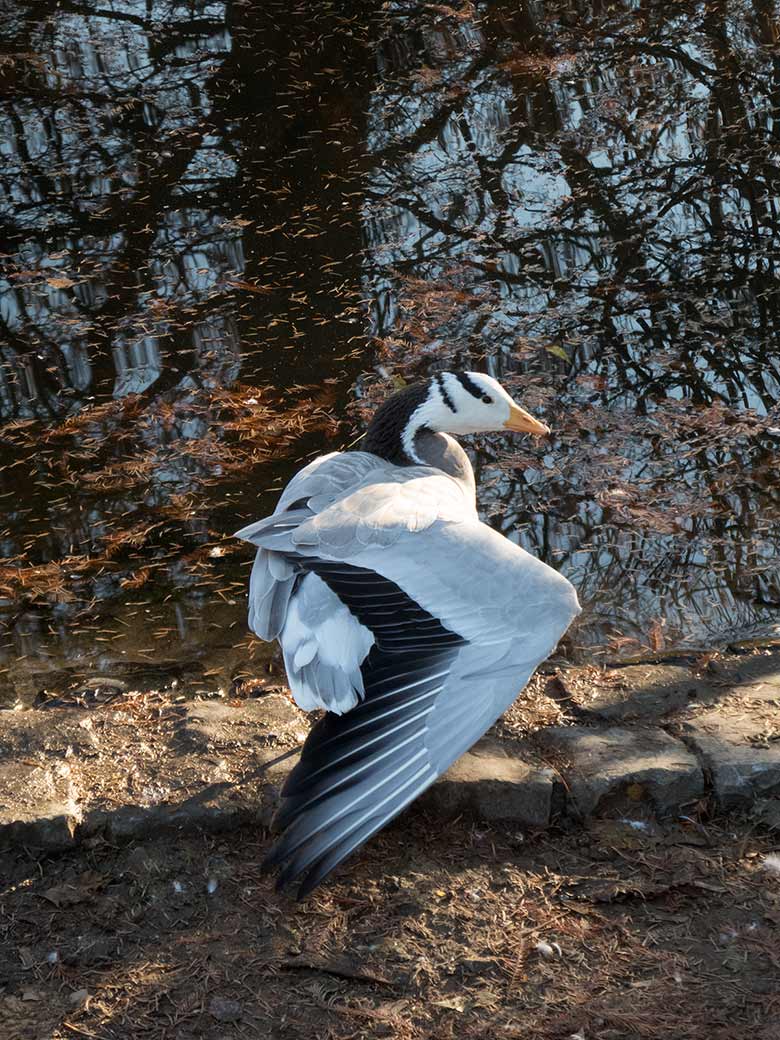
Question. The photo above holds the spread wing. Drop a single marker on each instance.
(458, 619)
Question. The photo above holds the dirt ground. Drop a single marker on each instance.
(603, 934)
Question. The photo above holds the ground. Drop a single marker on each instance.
(611, 925)
(463, 931)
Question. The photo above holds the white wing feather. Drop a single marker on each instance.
(324, 647)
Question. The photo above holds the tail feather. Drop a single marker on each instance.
(270, 589)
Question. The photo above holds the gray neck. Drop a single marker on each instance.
(444, 452)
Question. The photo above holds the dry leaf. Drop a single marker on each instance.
(553, 348)
(457, 1003)
(71, 894)
(250, 287)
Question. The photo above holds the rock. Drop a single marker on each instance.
(213, 808)
(32, 733)
(70, 774)
(647, 692)
(608, 769)
(742, 763)
(214, 725)
(38, 805)
(495, 783)
(756, 671)
(224, 1010)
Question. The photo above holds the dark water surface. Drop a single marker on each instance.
(226, 225)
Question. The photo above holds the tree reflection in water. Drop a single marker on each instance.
(183, 254)
(207, 205)
(584, 198)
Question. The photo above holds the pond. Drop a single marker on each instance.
(229, 228)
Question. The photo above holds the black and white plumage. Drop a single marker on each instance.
(411, 622)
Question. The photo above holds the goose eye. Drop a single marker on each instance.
(487, 399)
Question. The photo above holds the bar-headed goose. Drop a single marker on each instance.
(413, 624)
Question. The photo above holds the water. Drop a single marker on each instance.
(226, 226)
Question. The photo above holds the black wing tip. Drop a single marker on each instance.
(274, 862)
(289, 875)
(309, 884)
(286, 887)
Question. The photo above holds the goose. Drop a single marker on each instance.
(409, 621)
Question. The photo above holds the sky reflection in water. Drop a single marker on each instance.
(225, 224)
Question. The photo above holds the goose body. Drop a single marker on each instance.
(412, 623)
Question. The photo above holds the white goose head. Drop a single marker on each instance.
(450, 402)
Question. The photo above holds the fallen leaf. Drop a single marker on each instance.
(250, 287)
(458, 1004)
(60, 283)
(65, 895)
(71, 894)
(553, 348)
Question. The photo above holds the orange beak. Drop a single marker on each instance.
(521, 421)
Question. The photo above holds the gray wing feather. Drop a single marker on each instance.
(328, 477)
(381, 513)
(475, 581)
(480, 585)
(277, 527)
(362, 769)
(427, 701)
(343, 503)
(487, 681)
(270, 588)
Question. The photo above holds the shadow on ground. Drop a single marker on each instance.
(610, 927)
(472, 931)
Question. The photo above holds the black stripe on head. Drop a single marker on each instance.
(468, 383)
(443, 390)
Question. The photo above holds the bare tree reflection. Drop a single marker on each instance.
(580, 198)
(170, 257)
(585, 202)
